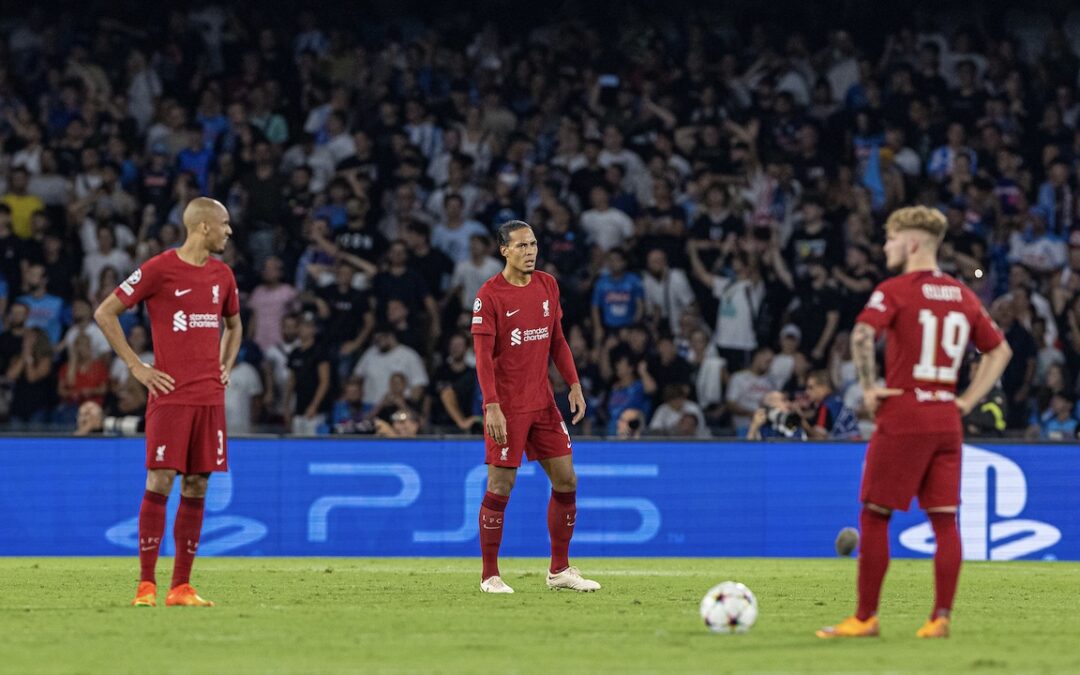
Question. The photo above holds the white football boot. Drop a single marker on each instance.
(571, 578)
(495, 585)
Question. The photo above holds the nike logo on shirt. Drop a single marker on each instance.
(179, 292)
(509, 314)
(220, 461)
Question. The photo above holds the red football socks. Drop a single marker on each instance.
(492, 510)
(186, 532)
(873, 560)
(947, 559)
(151, 529)
(561, 516)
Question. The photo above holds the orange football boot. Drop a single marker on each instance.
(934, 628)
(146, 595)
(852, 627)
(184, 595)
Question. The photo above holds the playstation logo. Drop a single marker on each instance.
(989, 528)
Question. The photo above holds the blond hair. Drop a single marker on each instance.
(921, 218)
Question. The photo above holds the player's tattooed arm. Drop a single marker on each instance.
(862, 354)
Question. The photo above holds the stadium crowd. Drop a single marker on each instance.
(710, 200)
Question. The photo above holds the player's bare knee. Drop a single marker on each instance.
(160, 481)
(566, 483)
(194, 486)
(942, 509)
(501, 480)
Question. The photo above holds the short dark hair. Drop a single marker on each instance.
(510, 226)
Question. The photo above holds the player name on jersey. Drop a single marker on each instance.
(942, 293)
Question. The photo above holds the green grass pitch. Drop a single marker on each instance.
(290, 615)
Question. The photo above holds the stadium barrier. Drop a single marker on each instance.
(329, 497)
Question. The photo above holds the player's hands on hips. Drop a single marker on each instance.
(873, 396)
(224, 375)
(495, 423)
(964, 405)
(577, 403)
(155, 381)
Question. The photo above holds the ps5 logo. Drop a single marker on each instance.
(982, 503)
(409, 489)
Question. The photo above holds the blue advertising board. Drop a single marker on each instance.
(293, 497)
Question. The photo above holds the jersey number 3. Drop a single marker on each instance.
(953, 339)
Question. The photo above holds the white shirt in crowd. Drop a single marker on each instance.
(747, 389)
(471, 277)
(666, 418)
(739, 300)
(672, 295)
(244, 384)
(608, 228)
(93, 263)
(376, 367)
(98, 344)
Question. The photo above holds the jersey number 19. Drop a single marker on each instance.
(953, 339)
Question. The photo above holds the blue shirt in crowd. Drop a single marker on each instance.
(617, 299)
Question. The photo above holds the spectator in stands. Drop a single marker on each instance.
(470, 275)
(618, 299)
(350, 414)
(1057, 421)
(452, 234)
(667, 290)
(398, 281)
(106, 255)
(668, 418)
(403, 424)
(606, 227)
(22, 204)
(47, 312)
(384, 358)
(1019, 375)
(740, 296)
(747, 388)
(33, 379)
(776, 419)
(83, 377)
(269, 302)
(987, 418)
(309, 393)
(829, 417)
(632, 387)
(630, 425)
(243, 398)
(455, 389)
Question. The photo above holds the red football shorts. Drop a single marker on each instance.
(899, 467)
(540, 434)
(189, 439)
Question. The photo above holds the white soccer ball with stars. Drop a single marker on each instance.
(729, 607)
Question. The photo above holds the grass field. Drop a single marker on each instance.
(427, 615)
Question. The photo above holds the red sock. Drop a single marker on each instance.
(186, 532)
(492, 510)
(562, 514)
(873, 560)
(947, 559)
(151, 529)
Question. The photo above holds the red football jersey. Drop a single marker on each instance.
(186, 305)
(523, 321)
(928, 318)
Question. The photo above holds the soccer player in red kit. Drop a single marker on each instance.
(517, 330)
(928, 319)
(187, 294)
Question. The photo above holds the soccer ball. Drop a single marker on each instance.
(729, 607)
